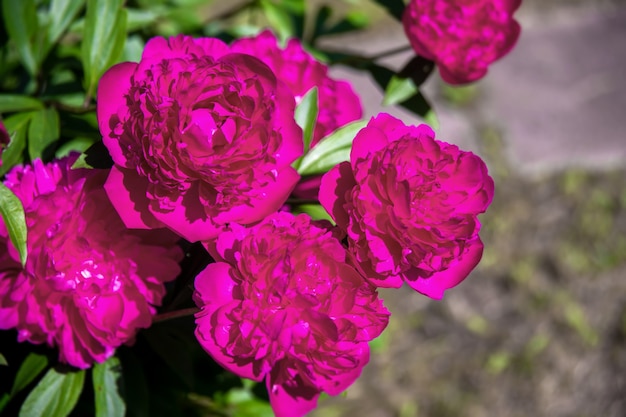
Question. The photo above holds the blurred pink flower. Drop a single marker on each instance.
(463, 37)
(283, 304)
(89, 283)
(4, 139)
(409, 205)
(338, 103)
(200, 137)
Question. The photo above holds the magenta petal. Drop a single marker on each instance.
(367, 141)
(126, 190)
(200, 228)
(268, 200)
(112, 88)
(333, 188)
(435, 286)
(214, 285)
(284, 405)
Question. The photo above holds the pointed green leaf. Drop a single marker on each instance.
(104, 37)
(280, 20)
(55, 395)
(42, 132)
(331, 150)
(62, 14)
(12, 213)
(15, 102)
(316, 211)
(4, 400)
(3, 360)
(306, 116)
(29, 370)
(399, 90)
(20, 19)
(96, 156)
(107, 382)
(17, 126)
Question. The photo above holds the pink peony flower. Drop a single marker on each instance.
(463, 37)
(4, 139)
(409, 205)
(338, 103)
(200, 137)
(282, 304)
(89, 283)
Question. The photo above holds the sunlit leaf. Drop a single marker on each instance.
(306, 116)
(29, 370)
(331, 150)
(107, 381)
(55, 395)
(42, 132)
(398, 90)
(12, 213)
(316, 211)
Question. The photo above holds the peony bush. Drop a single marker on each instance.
(197, 216)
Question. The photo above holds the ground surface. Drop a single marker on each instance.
(539, 329)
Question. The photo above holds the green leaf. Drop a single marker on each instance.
(107, 381)
(55, 395)
(431, 119)
(316, 211)
(15, 102)
(20, 19)
(96, 156)
(253, 408)
(78, 144)
(3, 360)
(62, 14)
(17, 126)
(331, 150)
(4, 400)
(279, 19)
(306, 115)
(29, 370)
(42, 132)
(398, 90)
(104, 37)
(394, 7)
(12, 213)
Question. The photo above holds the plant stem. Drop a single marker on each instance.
(170, 315)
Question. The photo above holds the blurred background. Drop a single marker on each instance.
(539, 328)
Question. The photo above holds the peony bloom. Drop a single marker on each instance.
(282, 304)
(4, 139)
(463, 37)
(200, 137)
(338, 103)
(409, 205)
(89, 283)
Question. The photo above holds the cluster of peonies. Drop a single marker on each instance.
(89, 283)
(203, 137)
(463, 37)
